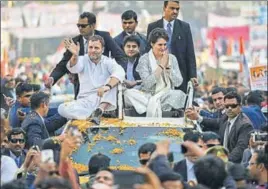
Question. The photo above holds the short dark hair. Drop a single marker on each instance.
(36, 87)
(262, 156)
(158, 33)
(170, 176)
(91, 18)
(218, 90)
(210, 100)
(193, 136)
(166, 3)
(209, 135)
(146, 148)
(15, 131)
(238, 172)
(38, 98)
(98, 162)
(15, 184)
(132, 38)
(232, 95)
(254, 98)
(229, 89)
(22, 88)
(210, 171)
(52, 182)
(127, 15)
(97, 38)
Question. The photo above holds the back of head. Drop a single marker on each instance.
(54, 183)
(38, 98)
(254, 98)
(193, 136)
(36, 87)
(238, 172)
(147, 148)
(98, 162)
(209, 135)
(231, 89)
(170, 176)
(16, 184)
(210, 171)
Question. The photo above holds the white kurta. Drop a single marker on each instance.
(91, 77)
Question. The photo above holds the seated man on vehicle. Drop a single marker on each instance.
(98, 76)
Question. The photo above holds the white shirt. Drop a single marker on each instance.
(166, 23)
(232, 123)
(85, 45)
(190, 171)
(8, 169)
(93, 76)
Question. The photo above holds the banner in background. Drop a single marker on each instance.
(215, 20)
(258, 37)
(229, 32)
(258, 77)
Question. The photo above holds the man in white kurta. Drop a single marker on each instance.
(95, 77)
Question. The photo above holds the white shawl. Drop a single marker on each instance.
(163, 85)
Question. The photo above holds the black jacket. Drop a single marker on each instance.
(110, 46)
(181, 168)
(38, 130)
(136, 75)
(238, 138)
(182, 47)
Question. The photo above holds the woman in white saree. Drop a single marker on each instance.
(160, 74)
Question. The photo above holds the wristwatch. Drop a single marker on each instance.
(108, 85)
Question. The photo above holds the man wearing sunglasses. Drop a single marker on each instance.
(233, 127)
(87, 27)
(16, 144)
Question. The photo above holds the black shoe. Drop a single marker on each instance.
(96, 116)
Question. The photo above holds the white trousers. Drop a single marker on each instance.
(82, 108)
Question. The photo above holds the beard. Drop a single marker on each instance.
(95, 57)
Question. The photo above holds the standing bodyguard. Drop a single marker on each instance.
(180, 43)
(86, 25)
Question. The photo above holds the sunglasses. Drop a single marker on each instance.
(82, 25)
(231, 105)
(212, 145)
(21, 141)
(27, 96)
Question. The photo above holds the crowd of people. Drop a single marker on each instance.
(231, 151)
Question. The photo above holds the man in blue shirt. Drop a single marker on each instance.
(21, 107)
(253, 109)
